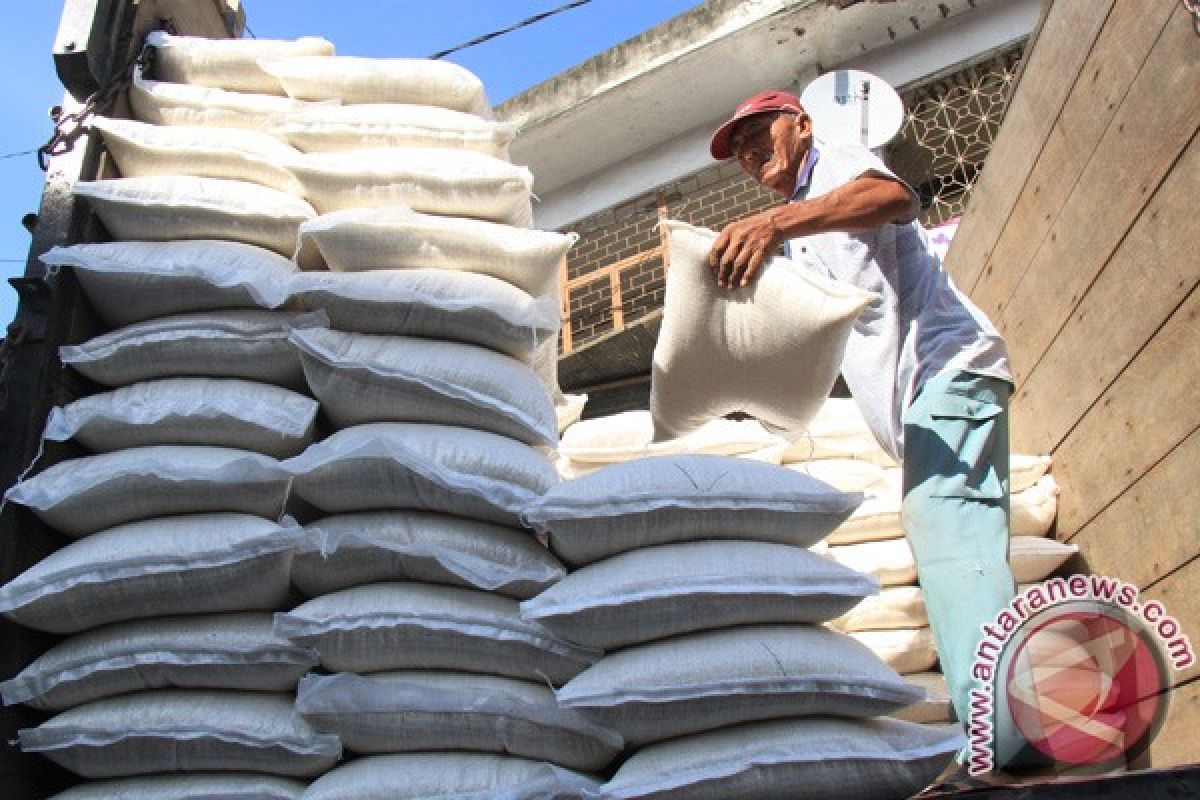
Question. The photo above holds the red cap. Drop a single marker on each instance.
(758, 104)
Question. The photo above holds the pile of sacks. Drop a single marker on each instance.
(692, 574)
(373, 202)
(839, 450)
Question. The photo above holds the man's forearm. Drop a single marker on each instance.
(862, 205)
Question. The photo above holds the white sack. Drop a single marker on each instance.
(83, 495)
(456, 183)
(617, 438)
(215, 651)
(399, 238)
(432, 467)
(464, 776)
(679, 498)
(371, 547)
(189, 411)
(894, 608)
(166, 208)
(213, 786)
(936, 707)
(216, 344)
(130, 282)
(1034, 509)
(178, 730)
(398, 712)
(880, 517)
(227, 63)
(363, 127)
(655, 592)
(891, 561)
(906, 651)
(845, 474)
(387, 626)
(165, 103)
(433, 303)
(817, 758)
(1035, 559)
(361, 378)
(141, 150)
(1026, 470)
(772, 350)
(355, 80)
(176, 565)
(838, 430)
(701, 681)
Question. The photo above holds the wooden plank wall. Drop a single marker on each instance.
(1080, 243)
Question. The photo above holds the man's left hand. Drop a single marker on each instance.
(743, 247)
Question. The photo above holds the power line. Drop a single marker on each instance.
(16, 155)
(523, 23)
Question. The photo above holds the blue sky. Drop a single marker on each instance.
(375, 28)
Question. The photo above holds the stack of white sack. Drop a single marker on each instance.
(430, 300)
(592, 444)
(838, 448)
(181, 553)
(692, 573)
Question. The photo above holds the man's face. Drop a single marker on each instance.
(771, 148)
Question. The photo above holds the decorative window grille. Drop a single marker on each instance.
(950, 123)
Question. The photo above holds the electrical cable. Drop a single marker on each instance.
(522, 24)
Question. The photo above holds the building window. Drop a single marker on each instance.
(949, 126)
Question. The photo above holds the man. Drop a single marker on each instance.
(926, 367)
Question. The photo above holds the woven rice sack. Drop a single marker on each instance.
(667, 499)
(227, 63)
(399, 238)
(1026, 470)
(457, 183)
(397, 712)
(432, 303)
(371, 547)
(906, 651)
(622, 437)
(213, 786)
(1035, 559)
(389, 465)
(879, 518)
(215, 344)
(353, 80)
(141, 150)
(846, 474)
(771, 350)
(892, 609)
(386, 626)
(168, 208)
(364, 127)
(189, 411)
(838, 430)
(130, 282)
(823, 758)
(656, 592)
(891, 561)
(83, 495)
(362, 378)
(180, 730)
(200, 563)
(473, 776)
(936, 707)
(1034, 509)
(212, 651)
(164, 103)
(702, 681)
